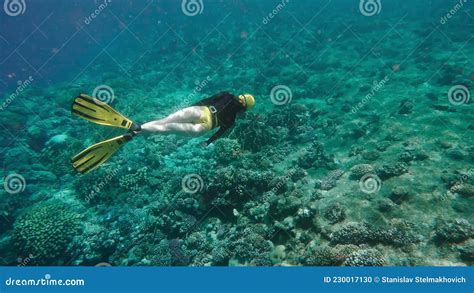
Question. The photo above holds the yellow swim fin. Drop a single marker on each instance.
(98, 112)
(95, 155)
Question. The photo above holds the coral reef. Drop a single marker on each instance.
(365, 258)
(453, 231)
(360, 170)
(45, 231)
(282, 187)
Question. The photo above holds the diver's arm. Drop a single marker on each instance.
(216, 135)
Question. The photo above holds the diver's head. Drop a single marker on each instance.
(247, 100)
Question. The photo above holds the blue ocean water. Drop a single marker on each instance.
(359, 150)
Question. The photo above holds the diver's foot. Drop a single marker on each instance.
(136, 128)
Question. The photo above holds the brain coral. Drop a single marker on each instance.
(45, 231)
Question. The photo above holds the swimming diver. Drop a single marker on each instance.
(217, 111)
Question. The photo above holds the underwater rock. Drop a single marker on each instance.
(382, 146)
(406, 157)
(405, 107)
(352, 233)
(37, 137)
(457, 154)
(335, 213)
(371, 155)
(160, 254)
(259, 211)
(305, 216)
(315, 157)
(287, 224)
(95, 245)
(467, 250)
(399, 234)
(360, 170)
(356, 150)
(321, 256)
(278, 254)
(365, 258)
(45, 231)
(399, 194)
(445, 144)
(389, 171)
(443, 108)
(287, 205)
(453, 231)
(385, 205)
(421, 155)
(57, 141)
(329, 181)
(464, 189)
(342, 251)
(326, 255)
(43, 177)
(136, 181)
(250, 247)
(253, 134)
(226, 150)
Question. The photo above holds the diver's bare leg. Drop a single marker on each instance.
(186, 115)
(187, 129)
